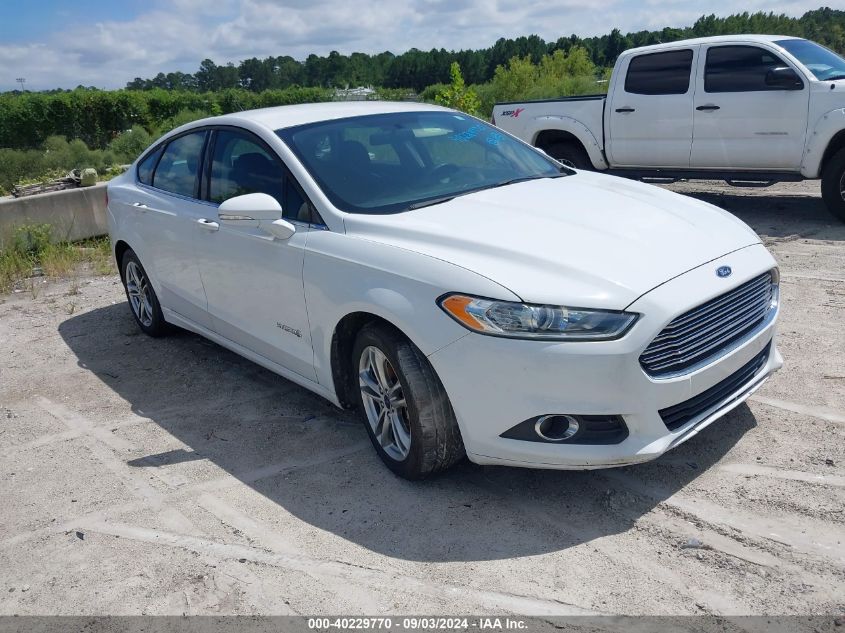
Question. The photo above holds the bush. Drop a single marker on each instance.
(97, 117)
(15, 165)
(31, 246)
(32, 241)
(487, 97)
(180, 118)
(128, 145)
(557, 75)
(396, 94)
(430, 93)
(55, 159)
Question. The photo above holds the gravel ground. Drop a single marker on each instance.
(171, 476)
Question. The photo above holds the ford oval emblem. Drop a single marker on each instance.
(724, 271)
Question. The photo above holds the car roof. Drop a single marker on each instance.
(716, 39)
(287, 116)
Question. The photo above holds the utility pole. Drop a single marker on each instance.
(21, 81)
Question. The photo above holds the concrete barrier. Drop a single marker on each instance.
(74, 214)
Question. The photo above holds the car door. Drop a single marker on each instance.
(741, 120)
(254, 281)
(164, 213)
(650, 113)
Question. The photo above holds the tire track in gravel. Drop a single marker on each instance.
(711, 598)
(805, 535)
(265, 536)
(492, 601)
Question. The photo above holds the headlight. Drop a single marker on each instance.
(522, 320)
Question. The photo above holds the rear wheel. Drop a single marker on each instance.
(833, 185)
(141, 296)
(570, 154)
(407, 413)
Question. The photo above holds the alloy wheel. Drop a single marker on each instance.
(384, 403)
(139, 291)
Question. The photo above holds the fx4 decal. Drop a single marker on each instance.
(513, 113)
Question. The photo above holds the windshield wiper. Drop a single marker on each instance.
(835, 77)
(430, 202)
(442, 199)
(513, 181)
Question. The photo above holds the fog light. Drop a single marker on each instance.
(556, 428)
(566, 428)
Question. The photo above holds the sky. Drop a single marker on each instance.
(105, 43)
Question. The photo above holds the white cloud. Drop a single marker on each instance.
(178, 34)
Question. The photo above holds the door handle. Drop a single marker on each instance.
(625, 110)
(708, 108)
(208, 225)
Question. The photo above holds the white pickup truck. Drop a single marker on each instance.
(749, 109)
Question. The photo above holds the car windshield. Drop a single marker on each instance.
(387, 163)
(822, 62)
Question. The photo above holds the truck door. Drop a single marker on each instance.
(748, 114)
(650, 114)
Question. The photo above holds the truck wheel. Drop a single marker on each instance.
(570, 154)
(833, 185)
(406, 410)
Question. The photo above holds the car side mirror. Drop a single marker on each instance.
(257, 210)
(784, 78)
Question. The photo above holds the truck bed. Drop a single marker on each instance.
(527, 119)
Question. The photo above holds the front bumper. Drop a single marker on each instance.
(495, 383)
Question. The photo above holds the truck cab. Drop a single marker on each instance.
(744, 108)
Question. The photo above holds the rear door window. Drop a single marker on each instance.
(739, 69)
(660, 73)
(178, 167)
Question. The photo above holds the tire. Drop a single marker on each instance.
(416, 440)
(570, 154)
(143, 301)
(833, 184)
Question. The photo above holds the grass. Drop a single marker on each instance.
(28, 255)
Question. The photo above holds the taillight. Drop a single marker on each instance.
(493, 119)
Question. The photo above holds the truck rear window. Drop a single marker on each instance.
(659, 73)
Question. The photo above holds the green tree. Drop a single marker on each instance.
(456, 95)
(514, 81)
(560, 65)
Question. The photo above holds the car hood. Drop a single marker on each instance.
(586, 240)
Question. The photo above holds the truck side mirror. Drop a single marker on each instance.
(783, 78)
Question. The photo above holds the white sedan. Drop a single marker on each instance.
(467, 293)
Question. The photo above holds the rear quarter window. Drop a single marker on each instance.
(660, 73)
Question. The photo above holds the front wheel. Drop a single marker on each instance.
(833, 185)
(407, 413)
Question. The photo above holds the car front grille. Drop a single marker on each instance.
(678, 415)
(711, 329)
